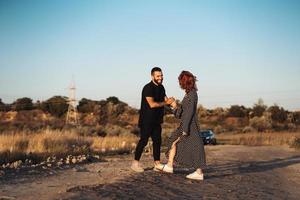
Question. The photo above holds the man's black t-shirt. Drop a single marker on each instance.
(152, 116)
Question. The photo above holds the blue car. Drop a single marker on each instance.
(208, 137)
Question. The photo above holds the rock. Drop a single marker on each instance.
(245, 165)
(79, 169)
(7, 198)
(16, 164)
(32, 171)
(2, 173)
(82, 158)
(59, 163)
(74, 160)
(49, 165)
(89, 158)
(52, 172)
(53, 158)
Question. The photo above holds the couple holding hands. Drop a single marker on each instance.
(185, 147)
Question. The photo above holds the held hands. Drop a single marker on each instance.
(170, 100)
(174, 104)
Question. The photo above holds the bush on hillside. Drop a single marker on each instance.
(24, 103)
(56, 106)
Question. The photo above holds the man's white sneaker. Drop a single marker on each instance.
(167, 169)
(135, 167)
(195, 176)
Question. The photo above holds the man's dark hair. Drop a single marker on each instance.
(155, 69)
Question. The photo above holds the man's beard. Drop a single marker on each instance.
(158, 83)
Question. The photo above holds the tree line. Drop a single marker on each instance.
(56, 105)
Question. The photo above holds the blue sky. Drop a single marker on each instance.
(240, 50)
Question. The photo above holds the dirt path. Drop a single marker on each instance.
(234, 172)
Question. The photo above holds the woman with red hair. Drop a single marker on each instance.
(185, 145)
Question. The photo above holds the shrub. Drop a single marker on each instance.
(291, 127)
(170, 118)
(22, 104)
(260, 123)
(296, 118)
(56, 106)
(248, 129)
(237, 111)
(87, 106)
(278, 114)
(3, 107)
(258, 109)
(219, 129)
(120, 108)
(202, 112)
(113, 99)
(296, 143)
(135, 130)
(113, 130)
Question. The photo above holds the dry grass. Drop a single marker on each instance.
(258, 139)
(37, 146)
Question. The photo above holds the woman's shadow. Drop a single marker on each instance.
(236, 167)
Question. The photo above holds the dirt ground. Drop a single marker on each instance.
(234, 172)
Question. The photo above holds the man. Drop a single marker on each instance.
(151, 116)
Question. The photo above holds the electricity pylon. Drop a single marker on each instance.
(72, 114)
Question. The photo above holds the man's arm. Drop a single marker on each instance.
(154, 104)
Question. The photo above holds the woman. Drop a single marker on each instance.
(185, 145)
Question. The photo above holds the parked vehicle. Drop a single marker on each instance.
(208, 137)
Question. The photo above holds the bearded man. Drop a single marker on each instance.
(151, 117)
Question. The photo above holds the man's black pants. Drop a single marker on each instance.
(146, 131)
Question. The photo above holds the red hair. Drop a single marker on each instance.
(187, 81)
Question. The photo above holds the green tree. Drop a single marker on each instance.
(3, 107)
(278, 114)
(237, 111)
(296, 118)
(56, 106)
(87, 105)
(259, 108)
(24, 103)
(113, 99)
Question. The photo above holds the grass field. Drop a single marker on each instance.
(291, 139)
(39, 145)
